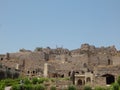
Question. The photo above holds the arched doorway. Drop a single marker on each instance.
(79, 82)
(109, 78)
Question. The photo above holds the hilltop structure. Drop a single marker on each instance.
(94, 66)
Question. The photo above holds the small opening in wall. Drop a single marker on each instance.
(1, 59)
(84, 65)
(33, 72)
(69, 73)
(77, 72)
(62, 76)
(79, 82)
(109, 78)
(108, 61)
(88, 79)
(28, 72)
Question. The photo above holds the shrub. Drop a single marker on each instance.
(39, 87)
(34, 80)
(2, 86)
(16, 87)
(72, 87)
(52, 88)
(67, 78)
(107, 88)
(115, 86)
(87, 88)
(100, 88)
(52, 79)
(46, 79)
(26, 81)
(8, 82)
(28, 87)
(40, 80)
(118, 80)
(38, 49)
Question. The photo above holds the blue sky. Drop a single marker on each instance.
(69, 23)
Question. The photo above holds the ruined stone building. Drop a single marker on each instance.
(92, 65)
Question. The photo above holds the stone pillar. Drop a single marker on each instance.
(17, 66)
(45, 70)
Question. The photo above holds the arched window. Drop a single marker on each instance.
(88, 79)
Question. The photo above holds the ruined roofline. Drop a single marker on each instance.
(84, 46)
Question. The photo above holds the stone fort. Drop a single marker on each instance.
(91, 65)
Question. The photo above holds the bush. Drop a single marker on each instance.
(52, 88)
(115, 86)
(107, 88)
(46, 79)
(67, 78)
(34, 80)
(52, 79)
(100, 88)
(16, 87)
(41, 80)
(118, 80)
(28, 87)
(39, 87)
(9, 82)
(2, 86)
(26, 81)
(72, 87)
(87, 88)
(38, 49)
